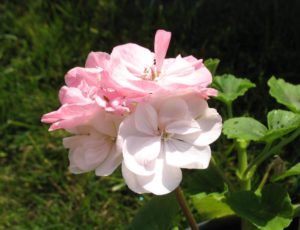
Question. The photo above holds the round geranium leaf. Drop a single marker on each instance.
(245, 128)
(285, 93)
(272, 210)
(230, 87)
(280, 123)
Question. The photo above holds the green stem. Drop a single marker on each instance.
(229, 109)
(265, 178)
(266, 153)
(184, 206)
(245, 181)
(253, 163)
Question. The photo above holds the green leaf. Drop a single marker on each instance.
(270, 211)
(285, 93)
(280, 123)
(230, 87)
(210, 206)
(244, 128)
(212, 64)
(157, 214)
(294, 171)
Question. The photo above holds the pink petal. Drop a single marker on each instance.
(161, 44)
(71, 95)
(69, 116)
(134, 57)
(97, 59)
(91, 76)
(184, 155)
(140, 153)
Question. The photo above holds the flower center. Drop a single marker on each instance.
(151, 73)
(166, 136)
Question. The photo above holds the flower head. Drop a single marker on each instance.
(164, 135)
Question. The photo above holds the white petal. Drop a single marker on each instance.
(140, 153)
(131, 180)
(106, 123)
(146, 119)
(87, 152)
(166, 178)
(196, 105)
(183, 127)
(173, 109)
(112, 161)
(184, 155)
(210, 125)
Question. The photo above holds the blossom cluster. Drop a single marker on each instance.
(140, 110)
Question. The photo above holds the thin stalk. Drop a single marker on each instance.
(253, 163)
(229, 110)
(184, 206)
(265, 177)
(245, 182)
(274, 150)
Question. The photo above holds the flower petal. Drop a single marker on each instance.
(146, 119)
(131, 180)
(161, 44)
(134, 57)
(164, 180)
(185, 155)
(112, 161)
(210, 129)
(183, 127)
(173, 109)
(140, 153)
(97, 59)
(86, 151)
(196, 105)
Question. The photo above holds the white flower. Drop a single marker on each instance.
(164, 135)
(93, 147)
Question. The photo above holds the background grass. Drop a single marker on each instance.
(41, 40)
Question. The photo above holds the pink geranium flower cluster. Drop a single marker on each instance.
(141, 110)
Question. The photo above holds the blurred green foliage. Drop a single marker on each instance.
(41, 40)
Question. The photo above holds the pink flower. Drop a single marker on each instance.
(93, 147)
(164, 135)
(135, 70)
(84, 95)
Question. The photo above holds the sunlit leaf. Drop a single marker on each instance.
(230, 87)
(280, 123)
(294, 171)
(285, 93)
(211, 205)
(270, 211)
(245, 128)
(157, 214)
